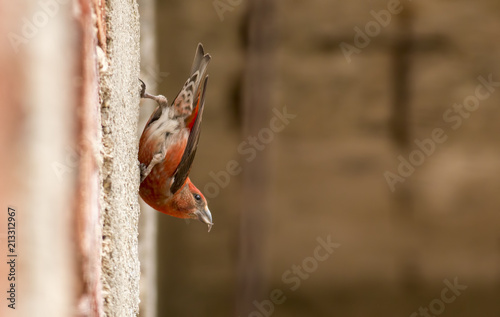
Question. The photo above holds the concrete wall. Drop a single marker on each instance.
(120, 173)
(69, 100)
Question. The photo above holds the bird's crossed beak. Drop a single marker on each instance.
(205, 216)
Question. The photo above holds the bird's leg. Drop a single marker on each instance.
(160, 99)
(157, 158)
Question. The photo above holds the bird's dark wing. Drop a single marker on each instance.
(182, 171)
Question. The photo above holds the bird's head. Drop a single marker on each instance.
(189, 203)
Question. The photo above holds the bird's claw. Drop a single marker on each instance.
(143, 167)
(143, 88)
(146, 169)
(161, 100)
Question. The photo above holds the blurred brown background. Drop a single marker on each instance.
(325, 170)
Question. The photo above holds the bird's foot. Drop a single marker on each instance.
(160, 99)
(157, 158)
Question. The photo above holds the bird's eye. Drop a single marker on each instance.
(197, 197)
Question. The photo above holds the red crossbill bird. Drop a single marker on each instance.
(168, 145)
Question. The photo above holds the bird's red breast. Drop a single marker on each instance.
(155, 189)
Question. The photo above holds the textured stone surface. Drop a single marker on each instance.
(120, 173)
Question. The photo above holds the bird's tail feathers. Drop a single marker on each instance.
(200, 62)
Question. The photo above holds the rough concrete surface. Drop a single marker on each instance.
(120, 173)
